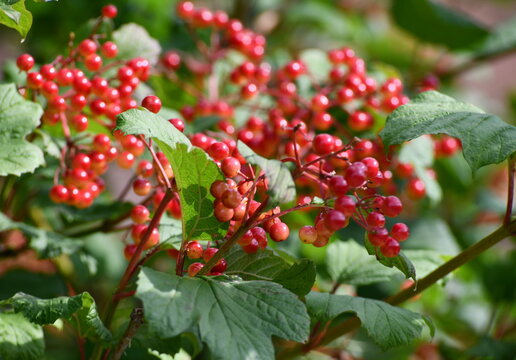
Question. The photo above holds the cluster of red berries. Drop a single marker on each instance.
(194, 250)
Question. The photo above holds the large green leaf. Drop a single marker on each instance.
(401, 261)
(387, 325)
(502, 39)
(349, 263)
(134, 41)
(16, 16)
(297, 276)
(235, 319)
(194, 172)
(437, 23)
(20, 339)
(486, 139)
(420, 153)
(48, 244)
(281, 185)
(18, 118)
(81, 310)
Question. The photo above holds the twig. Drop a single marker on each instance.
(510, 191)
(132, 328)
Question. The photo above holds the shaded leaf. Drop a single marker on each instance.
(134, 41)
(20, 339)
(389, 326)
(436, 23)
(233, 317)
(486, 139)
(502, 39)
(281, 185)
(18, 118)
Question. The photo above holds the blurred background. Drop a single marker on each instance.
(469, 46)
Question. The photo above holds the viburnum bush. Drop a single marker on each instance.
(208, 198)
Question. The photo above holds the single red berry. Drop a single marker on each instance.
(322, 121)
(218, 151)
(220, 267)
(140, 214)
(125, 160)
(390, 248)
(355, 174)
(81, 161)
(145, 168)
(194, 268)
(79, 122)
(230, 166)
(323, 144)
(377, 236)
(109, 50)
(25, 62)
(178, 124)
(223, 213)
(334, 220)
(338, 185)
(320, 102)
(194, 250)
(308, 234)
(252, 247)
(129, 251)
(93, 62)
(64, 77)
(218, 188)
(346, 205)
(109, 11)
(87, 47)
(152, 103)
(360, 121)
(171, 60)
(142, 187)
(231, 198)
(400, 232)
(416, 189)
(101, 142)
(208, 253)
(392, 206)
(59, 194)
(35, 80)
(48, 72)
(279, 232)
(375, 219)
(372, 166)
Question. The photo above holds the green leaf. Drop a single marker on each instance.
(349, 263)
(317, 63)
(194, 172)
(389, 326)
(48, 244)
(401, 261)
(233, 317)
(420, 153)
(134, 41)
(502, 39)
(147, 339)
(171, 232)
(281, 185)
(18, 118)
(486, 139)
(20, 339)
(425, 261)
(436, 23)
(81, 310)
(17, 17)
(298, 276)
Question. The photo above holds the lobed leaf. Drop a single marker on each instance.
(234, 318)
(389, 326)
(194, 172)
(486, 139)
(18, 118)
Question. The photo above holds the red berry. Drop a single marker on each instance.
(125, 160)
(142, 187)
(194, 268)
(416, 189)
(109, 50)
(220, 267)
(208, 253)
(323, 144)
(152, 103)
(59, 194)
(109, 11)
(140, 214)
(372, 166)
(230, 166)
(346, 205)
(279, 232)
(48, 72)
(64, 77)
(178, 124)
(101, 143)
(25, 62)
(392, 206)
(81, 161)
(400, 232)
(145, 168)
(377, 236)
(231, 198)
(93, 62)
(375, 219)
(322, 121)
(34, 80)
(218, 151)
(320, 102)
(308, 234)
(360, 121)
(334, 220)
(87, 47)
(129, 251)
(171, 60)
(356, 174)
(338, 185)
(218, 188)
(390, 248)
(194, 250)
(223, 213)
(252, 247)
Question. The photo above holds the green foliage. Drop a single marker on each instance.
(194, 172)
(18, 118)
(20, 339)
(486, 139)
(13, 14)
(222, 309)
(387, 325)
(502, 39)
(281, 185)
(436, 23)
(80, 310)
(134, 41)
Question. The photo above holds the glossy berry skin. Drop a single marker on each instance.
(208, 253)
(377, 236)
(416, 189)
(125, 160)
(25, 62)
(252, 247)
(279, 232)
(334, 220)
(355, 175)
(360, 121)
(230, 166)
(142, 187)
(152, 103)
(59, 194)
(338, 185)
(218, 188)
(194, 268)
(231, 198)
(171, 60)
(87, 47)
(346, 205)
(218, 151)
(140, 214)
(194, 250)
(109, 50)
(323, 144)
(400, 232)
(178, 124)
(390, 248)
(220, 267)
(109, 11)
(129, 251)
(375, 219)
(307, 234)
(392, 206)
(223, 213)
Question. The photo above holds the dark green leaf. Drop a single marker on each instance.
(134, 41)
(20, 339)
(281, 185)
(387, 325)
(297, 277)
(486, 139)
(437, 23)
(18, 118)
(47, 311)
(233, 317)
(170, 346)
(194, 172)
(349, 263)
(502, 39)
(401, 261)
(17, 17)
